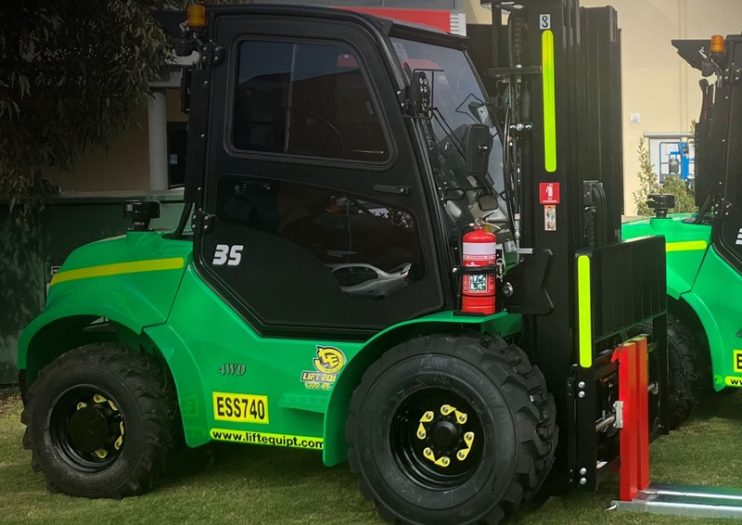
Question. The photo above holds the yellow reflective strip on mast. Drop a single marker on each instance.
(686, 246)
(549, 93)
(106, 270)
(584, 312)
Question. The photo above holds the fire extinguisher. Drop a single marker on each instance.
(479, 261)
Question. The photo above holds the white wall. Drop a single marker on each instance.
(657, 83)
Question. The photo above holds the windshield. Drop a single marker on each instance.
(458, 103)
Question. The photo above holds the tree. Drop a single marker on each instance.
(648, 182)
(71, 72)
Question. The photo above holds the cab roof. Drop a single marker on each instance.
(171, 20)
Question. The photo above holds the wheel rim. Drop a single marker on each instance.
(437, 438)
(87, 428)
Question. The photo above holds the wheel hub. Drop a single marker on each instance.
(443, 433)
(88, 429)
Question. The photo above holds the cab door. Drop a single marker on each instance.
(318, 219)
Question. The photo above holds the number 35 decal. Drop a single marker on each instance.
(226, 254)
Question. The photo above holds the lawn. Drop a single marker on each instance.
(258, 485)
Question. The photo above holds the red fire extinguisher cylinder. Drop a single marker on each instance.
(479, 250)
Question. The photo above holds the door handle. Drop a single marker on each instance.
(396, 190)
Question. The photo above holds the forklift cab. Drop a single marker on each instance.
(314, 161)
(718, 186)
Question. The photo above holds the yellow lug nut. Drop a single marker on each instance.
(461, 417)
(99, 399)
(428, 453)
(443, 461)
(427, 417)
(421, 433)
(120, 441)
(469, 438)
(121, 428)
(81, 405)
(101, 453)
(447, 409)
(112, 405)
(462, 454)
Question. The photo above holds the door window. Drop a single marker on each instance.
(315, 256)
(305, 98)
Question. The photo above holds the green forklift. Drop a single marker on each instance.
(339, 168)
(704, 250)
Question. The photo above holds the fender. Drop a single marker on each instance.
(188, 383)
(713, 298)
(335, 449)
(713, 333)
(130, 280)
(676, 284)
(130, 300)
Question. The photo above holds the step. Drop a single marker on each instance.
(680, 500)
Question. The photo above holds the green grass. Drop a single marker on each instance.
(259, 485)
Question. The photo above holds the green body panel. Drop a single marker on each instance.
(213, 353)
(715, 299)
(699, 277)
(682, 264)
(134, 300)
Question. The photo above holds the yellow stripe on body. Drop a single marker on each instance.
(686, 246)
(584, 312)
(107, 270)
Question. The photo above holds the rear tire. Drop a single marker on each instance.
(410, 417)
(689, 370)
(99, 422)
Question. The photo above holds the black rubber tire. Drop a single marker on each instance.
(689, 371)
(146, 404)
(507, 394)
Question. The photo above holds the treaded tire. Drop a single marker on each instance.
(688, 371)
(143, 401)
(507, 395)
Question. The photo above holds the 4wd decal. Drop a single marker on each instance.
(327, 364)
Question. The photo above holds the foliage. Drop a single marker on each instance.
(649, 184)
(71, 72)
(685, 200)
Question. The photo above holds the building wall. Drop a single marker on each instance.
(124, 166)
(657, 84)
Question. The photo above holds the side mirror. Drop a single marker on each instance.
(478, 144)
(141, 213)
(420, 97)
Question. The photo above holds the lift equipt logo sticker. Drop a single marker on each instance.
(327, 364)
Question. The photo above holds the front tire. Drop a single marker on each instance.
(98, 422)
(449, 429)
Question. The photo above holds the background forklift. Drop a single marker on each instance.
(325, 145)
(704, 250)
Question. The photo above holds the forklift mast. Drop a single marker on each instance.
(554, 70)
